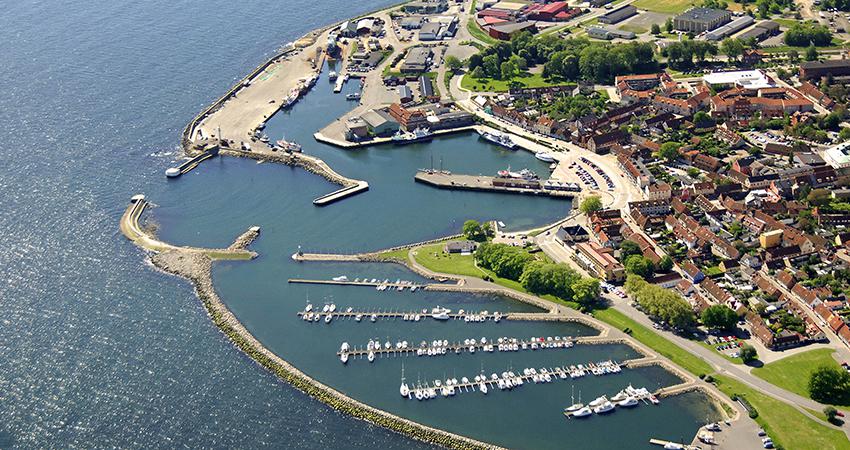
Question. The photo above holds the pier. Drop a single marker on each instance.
(364, 282)
(448, 180)
(412, 316)
(438, 348)
(340, 194)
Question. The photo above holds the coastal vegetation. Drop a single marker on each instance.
(475, 231)
(788, 427)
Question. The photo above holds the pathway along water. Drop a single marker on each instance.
(394, 211)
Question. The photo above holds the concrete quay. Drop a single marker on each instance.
(334, 134)
(446, 180)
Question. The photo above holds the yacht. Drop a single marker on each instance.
(598, 401)
(328, 318)
(619, 396)
(358, 317)
(419, 134)
(497, 138)
(404, 390)
(371, 356)
(308, 308)
(332, 75)
(482, 387)
(340, 278)
(575, 406)
(332, 307)
(353, 96)
(439, 313)
(628, 402)
(545, 157)
(583, 412)
(604, 408)
(344, 358)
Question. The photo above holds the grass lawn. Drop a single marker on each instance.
(792, 373)
(634, 29)
(434, 258)
(787, 426)
(723, 354)
(395, 254)
(678, 355)
(491, 85)
(664, 6)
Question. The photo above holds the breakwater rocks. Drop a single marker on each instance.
(310, 164)
(197, 267)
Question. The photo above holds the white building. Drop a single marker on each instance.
(747, 79)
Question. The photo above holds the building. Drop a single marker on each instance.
(698, 20)
(379, 122)
(838, 157)
(405, 94)
(761, 31)
(729, 29)
(814, 70)
(770, 239)
(426, 7)
(618, 14)
(609, 33)
(426, 87)
(416, 60)
(429, 31)
(504, 31)
(599, 261)
(411, 23)
(746, 79)
(569, 235)
(356, 129)
(462, 247)
(770, 102)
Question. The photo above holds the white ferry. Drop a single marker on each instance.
(498, 138)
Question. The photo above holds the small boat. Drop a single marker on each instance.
(332, 75)
(371, 356)
(173, 172)
(340, 278)
(308, 308)
(353, 96)
(439, 313)
(545, 157)
(373, 318)
(332, 308)
(620, 396)
(328, 318)
(344, 358)
(358, 317)
(482, 387)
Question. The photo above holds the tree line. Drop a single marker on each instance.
(539, 277)
(659, 302)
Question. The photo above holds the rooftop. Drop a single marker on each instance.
(748, 79)
(703, 14)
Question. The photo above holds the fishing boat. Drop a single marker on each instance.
(524, 174)
(497, 138)
(417, 135)
(545, 157)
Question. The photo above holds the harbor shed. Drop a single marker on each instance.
(379, 122)
(429, 31)
(416, 60)
(507, 30)
(405, 94)
(618, 14)
(462, 247)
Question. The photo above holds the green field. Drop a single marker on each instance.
(394, 255)
(493, 85)
(792, 373)
(678, 355)
(634, 29)
(664, 6)
(788, 427)
(476, 31)
(434, 258)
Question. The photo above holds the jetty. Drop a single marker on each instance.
(193, 162)
(364, 282)
(413, 316)
(448, 180)
(339, 194)
(672, 445)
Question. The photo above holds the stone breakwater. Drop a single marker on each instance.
(308, 163)
(197, 267)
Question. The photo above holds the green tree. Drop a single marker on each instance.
(819, 197)
(453, 63)
(586, 290)
(472, 230)
(639, 265)
(844, 134)
(811, 52)
(830, 412)
(748, 353)
(669, 25)
(830, 384)
(793, 55)
(478, 73)
(731, 47)
(655, 29)
(508, 70)
(590, 204)
(666, 263)
(719, 317)
(669, 151)
(629, 248)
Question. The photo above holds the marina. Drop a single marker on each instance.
(327, 315)
(380, 285)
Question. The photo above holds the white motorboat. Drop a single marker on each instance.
(358, 317)
(598, 401)
(604, 408)
(583, 412)
(308, 308)
(332, 75)
(340, 278)
(545, 157)
(328, 318)
(344, 347)
(332, 308)
(620, 396)
(628, 402)
(373, 318)
(371, 356)
(326, 308)
(440, 313)
(482, 387)
(344, 358)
